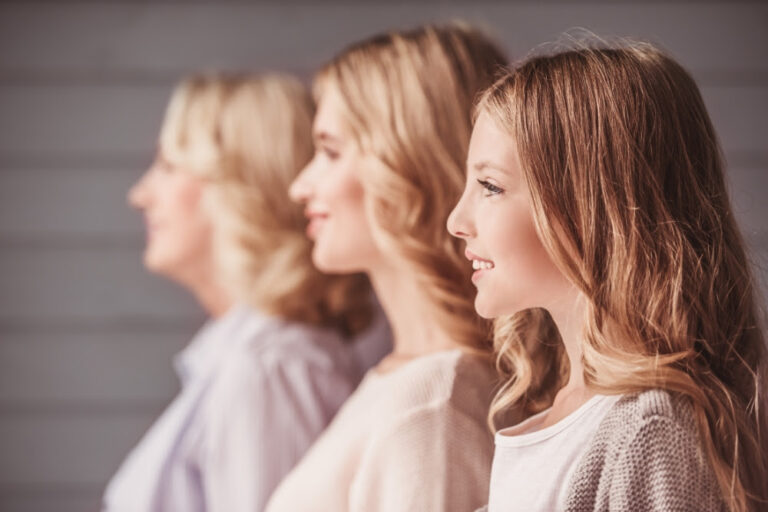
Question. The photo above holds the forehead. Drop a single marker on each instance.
(329, 118)
(491, 144)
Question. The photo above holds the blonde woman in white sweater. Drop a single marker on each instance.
(391, 136)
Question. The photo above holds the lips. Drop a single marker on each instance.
(150, 226)
(478, 263)
(316, 221)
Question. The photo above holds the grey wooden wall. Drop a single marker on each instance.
(86, 336)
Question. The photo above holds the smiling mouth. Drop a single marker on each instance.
(482, 265)
(478, 263)
(312, 213)
(316, 221)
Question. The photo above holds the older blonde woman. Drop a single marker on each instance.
(391, 136)
(263, 378)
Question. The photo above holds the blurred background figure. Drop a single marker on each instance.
(86, 334)
(391, 136)
(266, 374)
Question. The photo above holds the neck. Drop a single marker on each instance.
(209, 294)
(569, 318)
(213, 299)
(415, 331)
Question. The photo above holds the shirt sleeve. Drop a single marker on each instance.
(435, 458)
(263, 417)
(663, 468)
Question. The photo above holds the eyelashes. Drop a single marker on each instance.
(490, 188)
(164, 165)
(328, 152)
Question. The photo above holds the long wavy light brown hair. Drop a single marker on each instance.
(407, 97)
(249, 136)
(629, 199)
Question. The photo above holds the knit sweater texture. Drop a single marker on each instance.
(646, 456)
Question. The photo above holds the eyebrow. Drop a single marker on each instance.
(487, 164)
(324, 137)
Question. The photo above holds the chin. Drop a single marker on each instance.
(334, 262)
(326, 263)
(152, 265)
(484, 310)
(156, 263)
(149, 260)
(489, 309)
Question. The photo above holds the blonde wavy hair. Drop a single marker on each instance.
(629, 198)
(407, 98)
(248, 137)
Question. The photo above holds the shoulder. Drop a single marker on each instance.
(634, 412)
(628, 423)
(438, 382)
(641, 421)
(271, 359)
(270, 344)
(435, 423)
(429, 403)
(654, 403)
(647, 449)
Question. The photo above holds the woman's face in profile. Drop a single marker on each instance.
(330, 188)
(513, 271)
(178, 229)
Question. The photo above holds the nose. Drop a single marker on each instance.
(138, 194)
(301, 190)
(459, 222)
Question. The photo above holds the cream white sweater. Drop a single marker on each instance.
(414, 439)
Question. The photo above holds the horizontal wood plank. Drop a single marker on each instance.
(170, 37)
(66, 450)
(42, 371)
(45, 499)
(99, 119)
(61, 203)
(73, 206)
(83, 285)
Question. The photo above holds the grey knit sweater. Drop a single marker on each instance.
(645, 456)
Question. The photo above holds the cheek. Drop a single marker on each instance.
(524, 275)
(520, 248)
(345, 243)
(182, 234)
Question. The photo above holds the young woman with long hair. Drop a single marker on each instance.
(267, 373)
(391, 135)
(595, 191)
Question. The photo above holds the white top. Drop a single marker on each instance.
(532, 468)
(414, 439)
(256, 392)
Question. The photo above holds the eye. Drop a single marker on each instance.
(329, 153)
(163, 165)
(490, 188)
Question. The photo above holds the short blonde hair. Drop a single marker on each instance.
(249, 136)
(407, 98)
